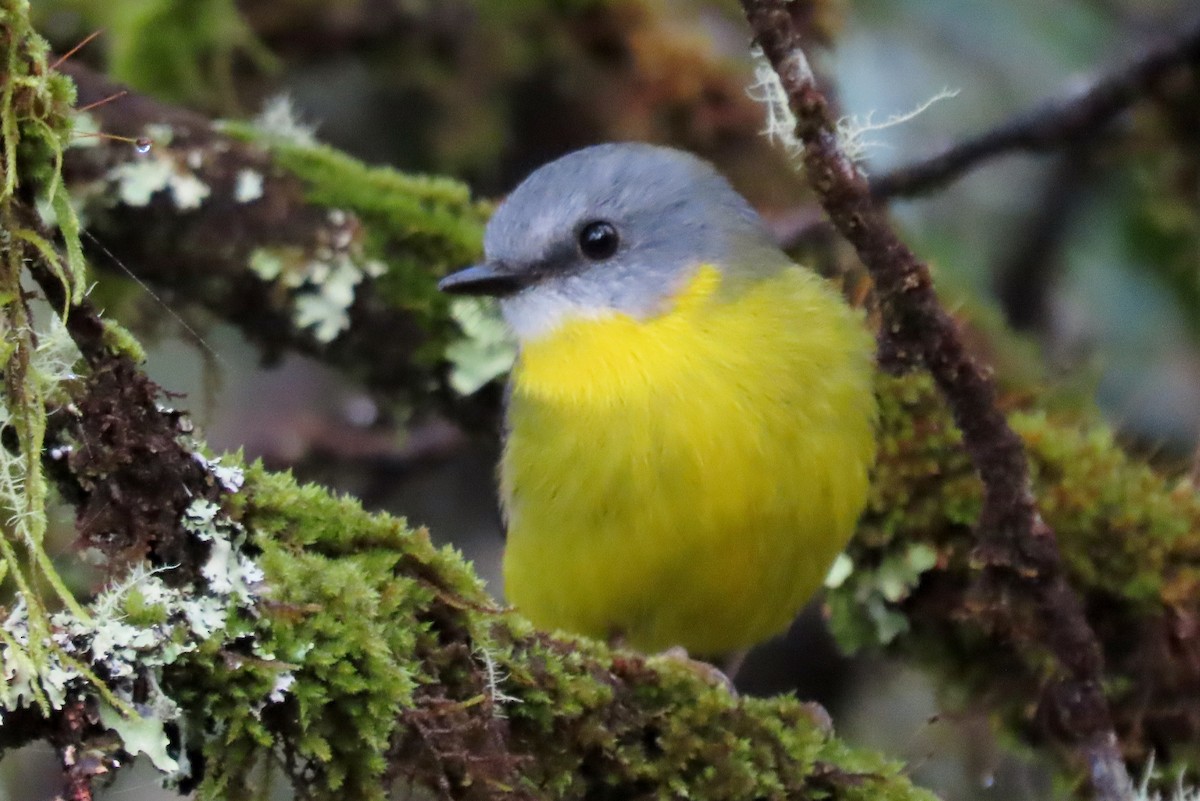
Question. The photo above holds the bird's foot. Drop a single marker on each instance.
(710, 673)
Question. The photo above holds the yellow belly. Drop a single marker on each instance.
(688, 479)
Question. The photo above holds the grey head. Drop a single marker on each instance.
(613, 228)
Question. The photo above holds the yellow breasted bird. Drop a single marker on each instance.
(690, 418)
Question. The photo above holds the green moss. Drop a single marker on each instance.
(35, 107)
(143, 612)
(344, 625)
(374, 648)
(417, 228)
(179, 51)
(118, 340)
(1123, 529)
(1128, 536)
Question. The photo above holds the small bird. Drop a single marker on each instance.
(690, 420)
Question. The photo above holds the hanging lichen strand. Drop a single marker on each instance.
(35, 110)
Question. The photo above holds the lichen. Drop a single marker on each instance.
(323, 284)
(486, 351)
(416, 228)
(158, 170)
(135, 630)
(249, 186)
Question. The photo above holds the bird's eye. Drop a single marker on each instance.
(598, 240)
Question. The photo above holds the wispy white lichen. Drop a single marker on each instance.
(852, 131)
(51, 363)
(780, 124)
(1180, 792)
(495, 678)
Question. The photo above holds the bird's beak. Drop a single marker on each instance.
(496, 280)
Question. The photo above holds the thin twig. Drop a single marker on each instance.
(63, 58)
(1028, 270)
(1053, 124)
(103, 100)
(1017, 551)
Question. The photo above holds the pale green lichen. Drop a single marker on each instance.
(323, 305)
(266, 263)
(413, 227)
(875, 594)
(159, 134)
(145, 735)
(137, 181)
(85, 130)
(228, 570)
(322, 285)
(248, 186)
(486, 350)
(139, 627)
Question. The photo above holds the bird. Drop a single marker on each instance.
(689, 424)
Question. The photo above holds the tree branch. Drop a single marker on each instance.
(285, 239)
(1054, 124)
(1017, 550)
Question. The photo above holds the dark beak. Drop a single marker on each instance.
(495, 280)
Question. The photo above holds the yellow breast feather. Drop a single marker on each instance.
(687, 479)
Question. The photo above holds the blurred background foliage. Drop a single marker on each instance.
(1092, 252)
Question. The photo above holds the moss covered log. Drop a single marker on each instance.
(401, 670)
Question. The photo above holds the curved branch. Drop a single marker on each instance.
(1052, 125)
(1018, 551)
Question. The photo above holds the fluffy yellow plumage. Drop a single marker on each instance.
(688, 479)
(690, 422)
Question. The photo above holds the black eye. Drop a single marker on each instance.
(598, 240)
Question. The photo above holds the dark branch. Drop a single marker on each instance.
(1021, 574)
(1052, 125)
(1025, 275)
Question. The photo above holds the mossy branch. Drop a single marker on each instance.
(298, 245)
(343, 649)
(1020, 586)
